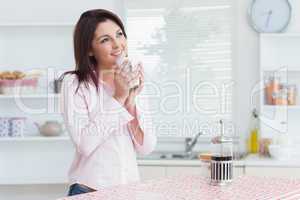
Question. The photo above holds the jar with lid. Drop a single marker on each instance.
(272, 85)
(281, 97)
(291, 94)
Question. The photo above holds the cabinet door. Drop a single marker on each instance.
(32, 11)
(197, 170)
(238, 171)
(152, 172)
(274, 120)
(184, 170)
(278, 172)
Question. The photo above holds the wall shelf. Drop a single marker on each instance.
(3, 96)
(289, 107)
(280, 35)
(35, 138)
(37, 24)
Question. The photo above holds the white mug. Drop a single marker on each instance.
(4, 126)
(17, 126)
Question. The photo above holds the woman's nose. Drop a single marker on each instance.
(116, 43)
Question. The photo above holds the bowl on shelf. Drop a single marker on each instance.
(18, 82)
(19, 86)
(279, 152)
(50, 128)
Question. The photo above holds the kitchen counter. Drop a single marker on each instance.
(162, 162)
(196, 188)
(250, 161)
(257, 161)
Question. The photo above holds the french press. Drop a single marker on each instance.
(221, 165)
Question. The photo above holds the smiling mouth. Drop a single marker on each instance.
(117, 53)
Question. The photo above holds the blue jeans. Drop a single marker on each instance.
(76, 189)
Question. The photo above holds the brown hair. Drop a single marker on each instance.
(86, 66)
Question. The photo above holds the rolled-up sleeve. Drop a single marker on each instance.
(90, 118)
(145, 120)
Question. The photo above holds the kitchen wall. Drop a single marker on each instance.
(246, 64)
(246, 68)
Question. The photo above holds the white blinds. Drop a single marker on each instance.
(186, 50)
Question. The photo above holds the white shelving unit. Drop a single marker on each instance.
(45, 46)
(280, 53)
(31, 158)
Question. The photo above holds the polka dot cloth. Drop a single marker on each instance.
(198, 188)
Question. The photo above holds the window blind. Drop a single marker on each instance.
(185, 47)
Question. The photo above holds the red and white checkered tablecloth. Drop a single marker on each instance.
(198, 188)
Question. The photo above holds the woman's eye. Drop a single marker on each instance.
(120, 33)
(104, 40)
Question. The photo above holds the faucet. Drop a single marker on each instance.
(190, 143)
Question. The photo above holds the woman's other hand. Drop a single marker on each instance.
(138, 74)
(121, 84)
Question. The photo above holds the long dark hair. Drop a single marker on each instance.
(86, 66)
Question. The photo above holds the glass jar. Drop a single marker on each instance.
(272, 85)
(281, 97)
(291, 94)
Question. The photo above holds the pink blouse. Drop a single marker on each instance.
(105, 148)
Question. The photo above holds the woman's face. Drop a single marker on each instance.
(108, 43)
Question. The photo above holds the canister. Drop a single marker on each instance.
(4, 127)
(17, 126)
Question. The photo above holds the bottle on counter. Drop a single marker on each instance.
(253, 140)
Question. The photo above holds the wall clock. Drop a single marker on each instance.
(270, 16)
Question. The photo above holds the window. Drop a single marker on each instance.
(185, 47)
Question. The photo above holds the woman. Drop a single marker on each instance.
(106, 126)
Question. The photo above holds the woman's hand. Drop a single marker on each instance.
(122, 81)
(130, 101)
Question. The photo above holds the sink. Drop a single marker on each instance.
(169, 156)
(178, 156)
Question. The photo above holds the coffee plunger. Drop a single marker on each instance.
(221, 165)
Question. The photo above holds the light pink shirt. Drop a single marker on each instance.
(105, 149)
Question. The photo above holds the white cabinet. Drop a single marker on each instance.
(197, 170)
(279, 49)
(238, 171)
(152, 172)
(186, 170)
(50, 12)
(279, 60)
(277, 172)
(35, 162)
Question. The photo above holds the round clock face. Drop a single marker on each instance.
(270, 16)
